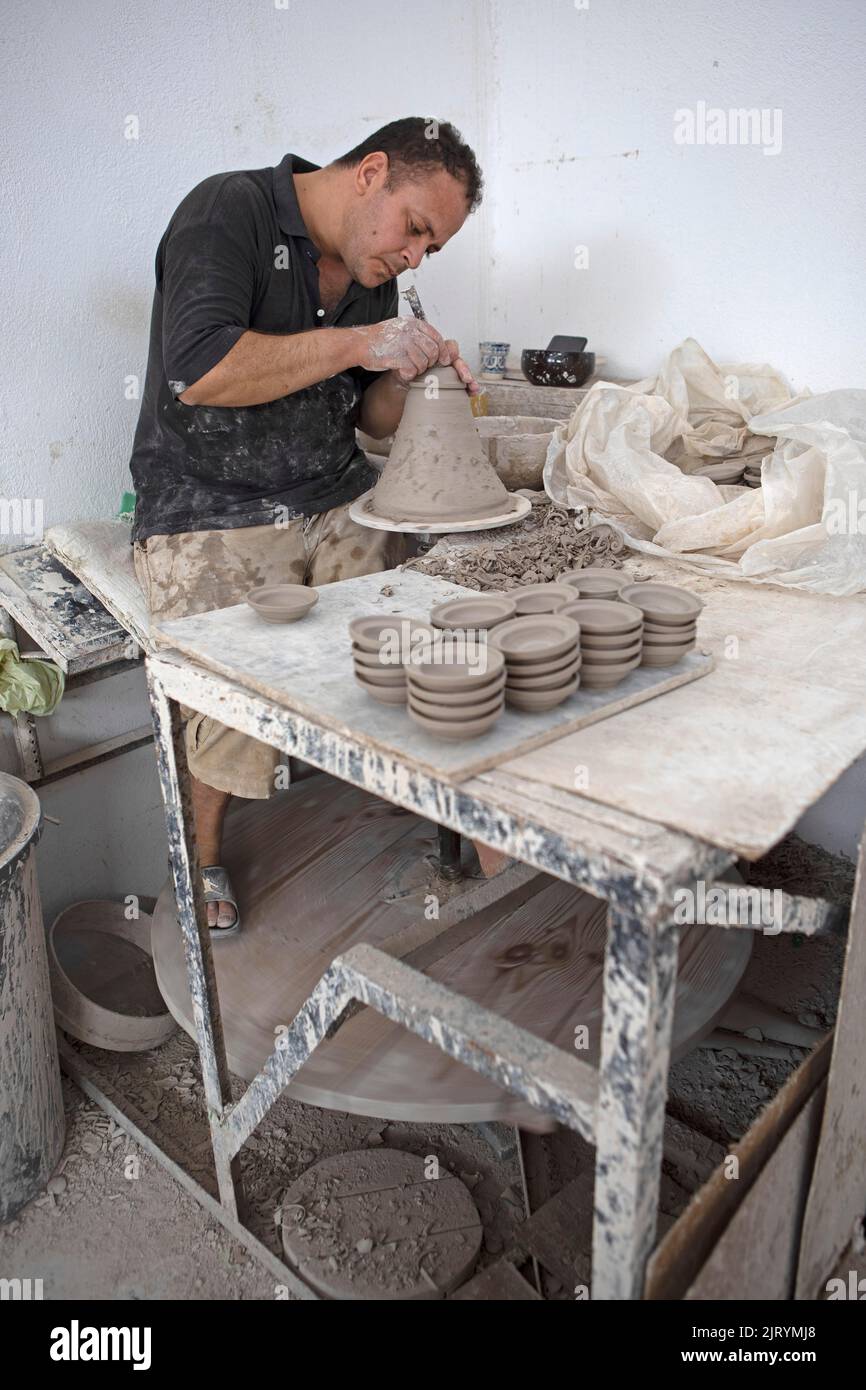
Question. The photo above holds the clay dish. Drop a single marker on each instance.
(369, 633)
(537, 700)
(593, 642)
(665, 656)
(282, 603)
(371, 661)
(483, 612)
(604, 617)
(395, 676)
(593, 582)
(662, 602)
(550, 682)
(385, 694)
(456, 676)
(596, 677)
(526, 669)
(455, 713)
(541, 598)
(472, 728)
(610, 658)
(538, 638)
(671, 629)
(444, 699)
(673, 637)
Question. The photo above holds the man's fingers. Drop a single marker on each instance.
(464, 372)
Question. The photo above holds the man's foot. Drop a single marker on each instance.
(222, 908)
(209, 807)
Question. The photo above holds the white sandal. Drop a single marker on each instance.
(218, 889)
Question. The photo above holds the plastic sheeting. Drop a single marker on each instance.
(628, 456)
(33, 686)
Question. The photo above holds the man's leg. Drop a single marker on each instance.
(192, 573)
(339, 548)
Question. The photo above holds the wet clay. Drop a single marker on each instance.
(437, 469)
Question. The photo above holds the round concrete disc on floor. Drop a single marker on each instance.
(380, 1224)
(361, 512)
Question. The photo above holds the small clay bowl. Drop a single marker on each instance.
(611, 658)
(550, 682)
(455, 713)
(592, 642)
(460, 698)
(535, 701)
(673, 637)
(604, 617)
(541, 598)
(599, 677)
(373, 661)
(672, 630)
(385, 694)
(665, 656)
(538, 638)
(282, 603)
(594, 582)
(483, 612)
(662, 602)
(394, 677)
(456, 676)
(372, 632)
(455, 733)
(526, 669)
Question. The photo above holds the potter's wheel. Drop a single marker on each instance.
(361, 512)
(323, 866)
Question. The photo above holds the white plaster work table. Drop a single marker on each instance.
(773, 757)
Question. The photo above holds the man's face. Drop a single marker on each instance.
(389, 230)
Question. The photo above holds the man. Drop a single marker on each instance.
(274, 334)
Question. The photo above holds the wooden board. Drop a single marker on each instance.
(837, 1198)
(325, 866)
(737, 758)
(58, 612)
(307, 666)
(100, 554)
(756, 1258)
(680, 1256)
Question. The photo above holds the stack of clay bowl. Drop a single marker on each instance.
(611, 634)
(542, 658)
(670, 621)
(373, 653)
(594, 581)
(722, 471)
(752, 475)
(456, 699)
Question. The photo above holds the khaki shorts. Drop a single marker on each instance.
(195, 571)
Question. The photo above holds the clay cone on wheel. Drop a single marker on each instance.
(437, 469)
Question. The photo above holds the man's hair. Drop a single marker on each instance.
(418, 144)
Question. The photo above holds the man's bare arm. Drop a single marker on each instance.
(265, 366)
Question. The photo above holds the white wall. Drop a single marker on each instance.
(761, 258)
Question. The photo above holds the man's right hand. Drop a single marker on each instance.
(407, 347)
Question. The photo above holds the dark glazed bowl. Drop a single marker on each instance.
(545, 368)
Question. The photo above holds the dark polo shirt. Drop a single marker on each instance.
(236, 255)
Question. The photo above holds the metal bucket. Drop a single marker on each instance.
(32, 1122)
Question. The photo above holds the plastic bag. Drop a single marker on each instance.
(32, 686)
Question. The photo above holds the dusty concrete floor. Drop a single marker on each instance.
(115, 1229)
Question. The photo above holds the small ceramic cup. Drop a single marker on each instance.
(493, 357)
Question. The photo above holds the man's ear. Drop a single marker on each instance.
(372, 172)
